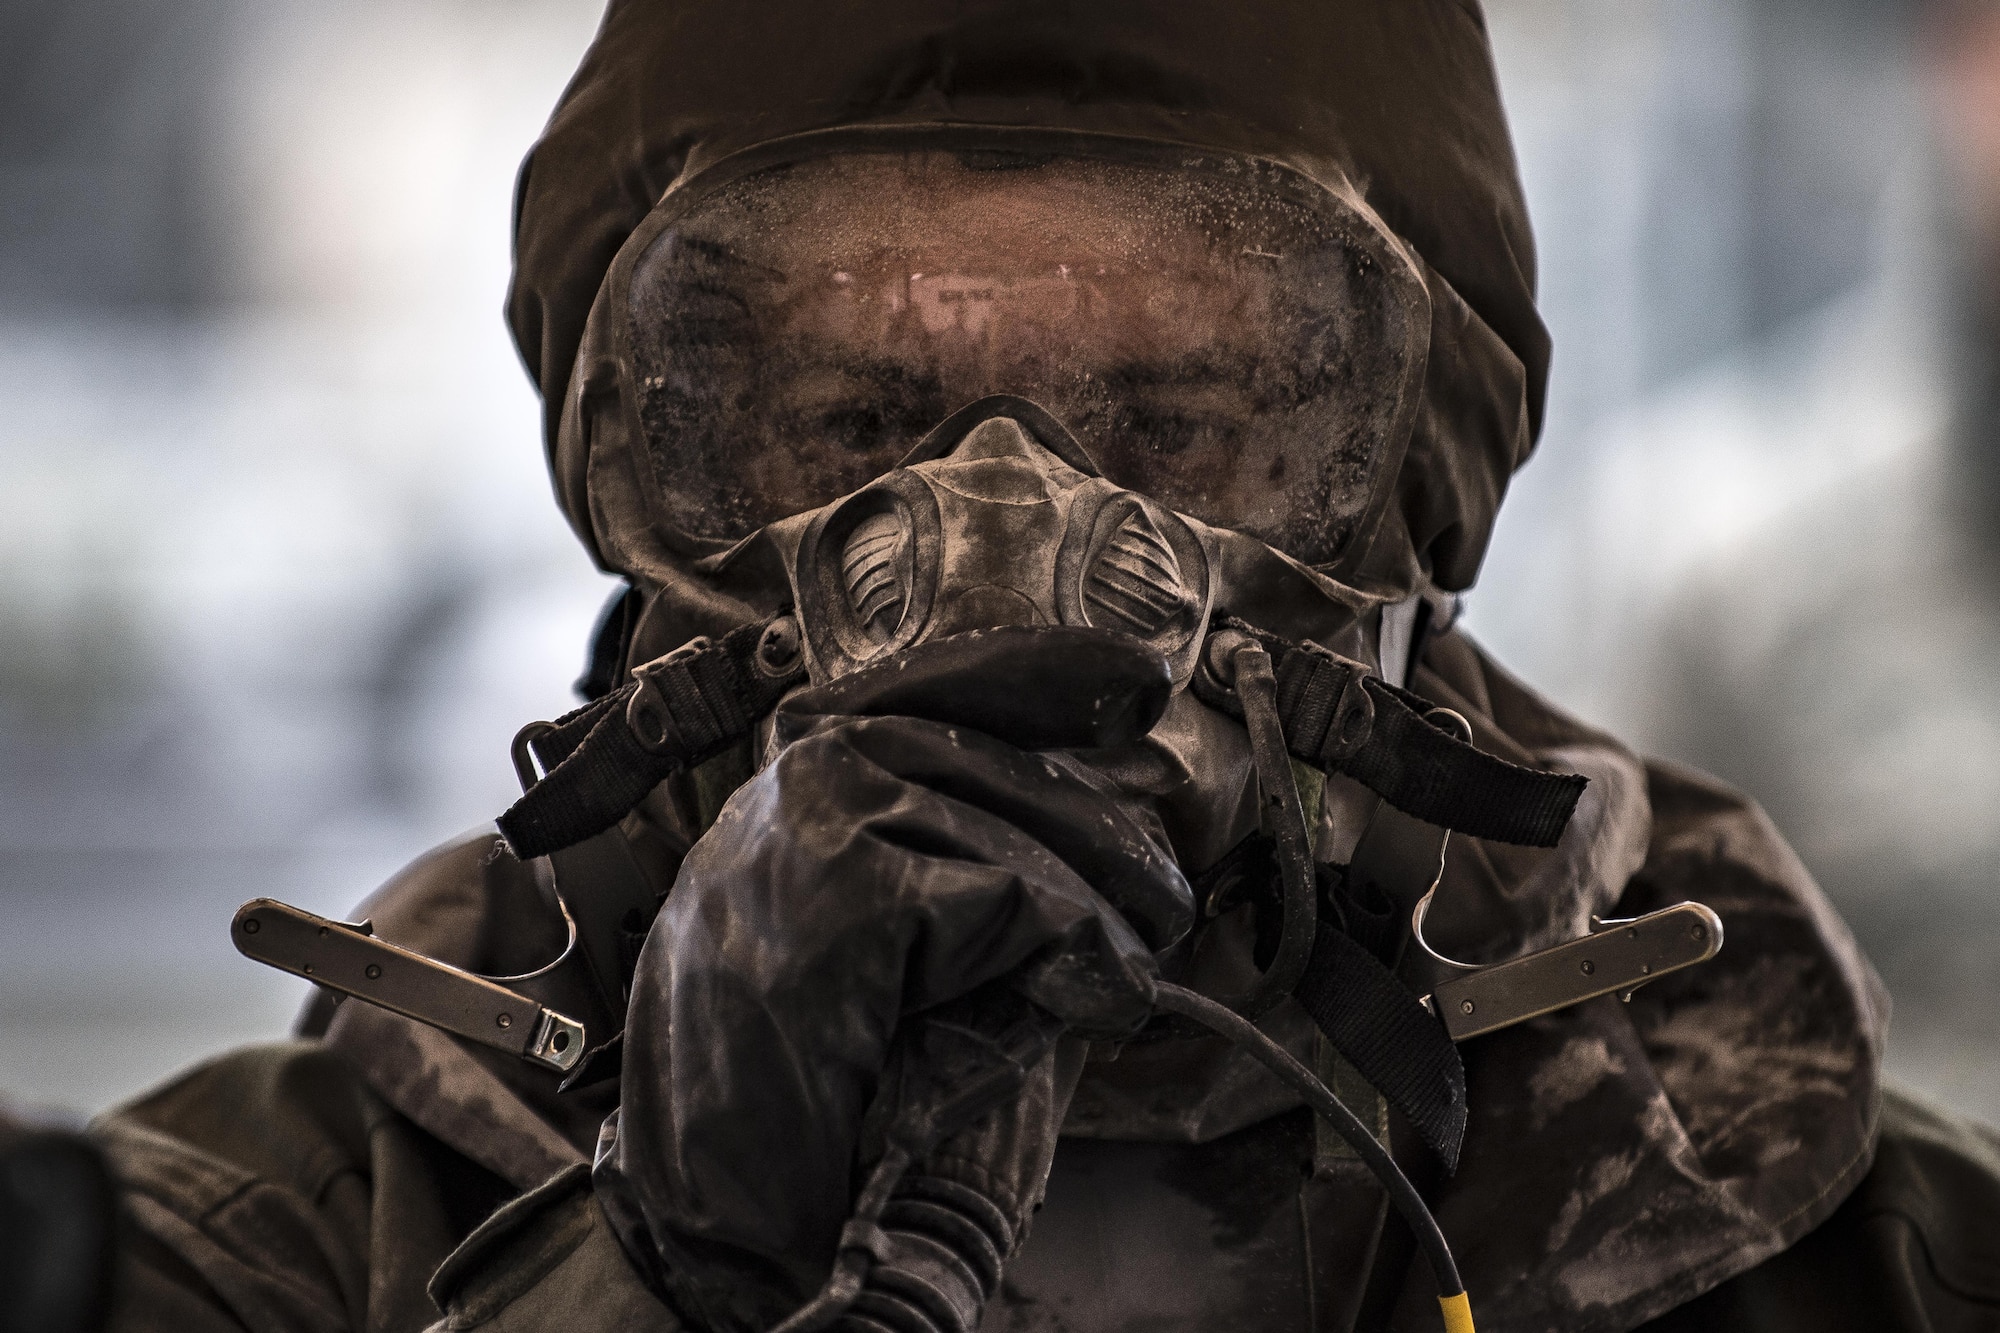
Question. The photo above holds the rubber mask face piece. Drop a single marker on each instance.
(997, 531)
(1227, 338)
(1000, 519)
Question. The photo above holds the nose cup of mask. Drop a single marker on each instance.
(997, 530)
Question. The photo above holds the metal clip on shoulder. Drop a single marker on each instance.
(579, 776)
(529, 1015)
(347, 958)
(1618, 958)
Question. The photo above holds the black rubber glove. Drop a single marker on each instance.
(881, 869)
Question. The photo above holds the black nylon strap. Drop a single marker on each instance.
(1324, 701)
(592, 789)
(1369, 1015)
(1342, 718)
(568, 731)
(1427, 772)
(598, 768)
(1388, 1036)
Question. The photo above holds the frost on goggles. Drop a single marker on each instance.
(1228, 338)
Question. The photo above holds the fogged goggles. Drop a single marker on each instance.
(1224, 335)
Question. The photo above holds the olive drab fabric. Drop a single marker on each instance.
(273, 1189)
(1901, 1254)
(1620, 1160)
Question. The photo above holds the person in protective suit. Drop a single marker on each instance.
(1003, 872)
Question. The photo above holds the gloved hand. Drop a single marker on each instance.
(897, 907)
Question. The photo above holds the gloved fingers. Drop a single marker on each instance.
(956, 1064)
(877, 869)
(1059, 811)
(915, 862)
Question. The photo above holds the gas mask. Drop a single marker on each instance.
(1209, 366)
(994, 529)
(1206, 367)
(906, 385)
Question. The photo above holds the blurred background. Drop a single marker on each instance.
(280, 573)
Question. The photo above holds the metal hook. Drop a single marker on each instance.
(526, 767)
(1444, 719)
(1417, 915)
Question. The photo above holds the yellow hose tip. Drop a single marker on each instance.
(1457, 1313)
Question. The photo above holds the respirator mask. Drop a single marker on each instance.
(914, 391)
(943, 415)
(995, 529)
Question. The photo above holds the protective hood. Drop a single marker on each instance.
(1392, 106)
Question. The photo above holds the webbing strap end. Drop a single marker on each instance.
(677, 711)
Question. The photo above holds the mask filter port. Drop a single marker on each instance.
(875, 571)
(1129, 565)
(868, 574)
(1135, 578)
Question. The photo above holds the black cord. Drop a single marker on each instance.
(861, 1238)
(1221, 1020)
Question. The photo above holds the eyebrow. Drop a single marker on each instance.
(693, 274)
(1196, 368)
(873, 371)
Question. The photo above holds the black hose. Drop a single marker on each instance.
(1219, 1019)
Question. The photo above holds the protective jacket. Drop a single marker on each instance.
(324, 1184)
(1712, 1152)
(1713, 1136)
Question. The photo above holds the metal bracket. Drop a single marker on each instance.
(345, 957)
(1619, 959)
